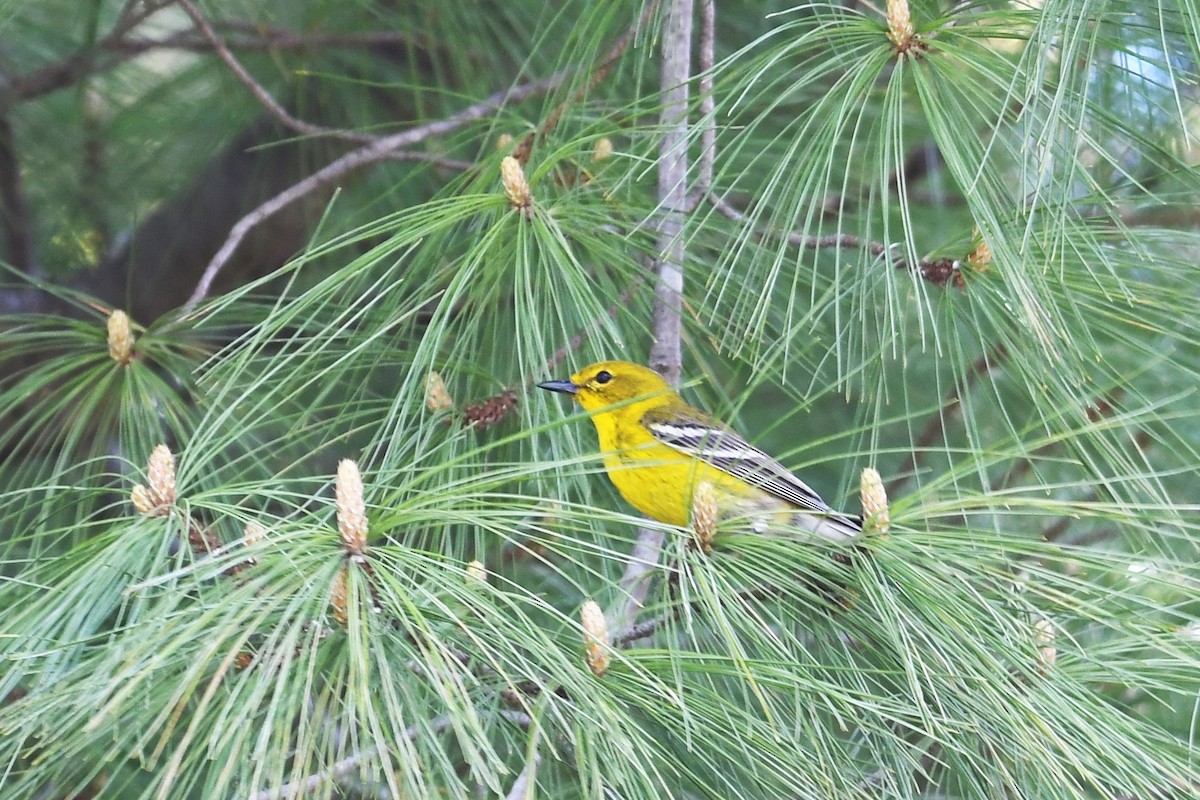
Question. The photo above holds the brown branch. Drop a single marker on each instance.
(119, 48)
(940, 271)
(841, 240)
(14, 211)
(260, 93)
(116, 47)
(646, 629)
(75, 67)
(252, 36)
(386, 148)
(93, 169)
(430, 158)
(378, 150)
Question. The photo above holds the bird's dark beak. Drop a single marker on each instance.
(564, 386)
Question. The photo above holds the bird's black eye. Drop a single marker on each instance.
(603, 376)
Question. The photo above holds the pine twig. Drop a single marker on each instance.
(15, 217)
(379, 150)
(708, 133)
(260, 93)
(388, 147)
(311, 783)
(76, 66)
(253, 36)
(666, 354)
(940, 271)
(522, 787)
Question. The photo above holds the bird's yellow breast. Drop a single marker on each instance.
(658, 480)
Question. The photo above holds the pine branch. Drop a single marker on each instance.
(379, 150)
(666, 353)
(18, 234)
(260, 93)
(74, 68)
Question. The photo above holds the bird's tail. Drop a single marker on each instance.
(834, 526)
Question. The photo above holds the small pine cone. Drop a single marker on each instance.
(437, 398)
(899, 22)
(202, 540)
(512, 178)
(504, 142)
(490, 411)
(339, 596)
(602, 149)
(1043, 637)
(944, 272)
(243, 660)
(161, 474)
(705, 515)
(351, 510)
(595, 638)
(120, 337)
(876, 518)
(476, 572)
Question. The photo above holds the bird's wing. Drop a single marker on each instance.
(716, 445)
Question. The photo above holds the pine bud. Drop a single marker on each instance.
(876, 518)
(339, 597)
(161, 473)
(595, 637)
(1043, 637)
(512, 177)
(980, 258)
(899, 22)
(602, 149)
(704, 515)
(120, 337)
(437, 398)
(142, 501)
(504, 142)
(351, 510)
(252, 534)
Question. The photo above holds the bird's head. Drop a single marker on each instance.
(611, 383)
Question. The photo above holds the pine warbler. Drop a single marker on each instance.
(657, 449)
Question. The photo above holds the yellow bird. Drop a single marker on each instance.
(657, 449)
